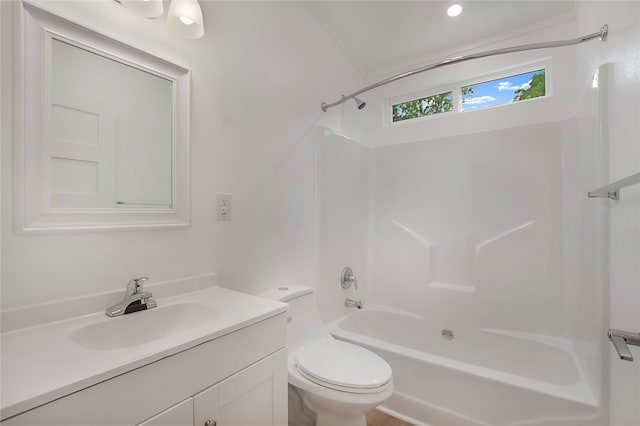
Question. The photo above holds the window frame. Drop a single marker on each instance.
(456, 88)
(543, 64)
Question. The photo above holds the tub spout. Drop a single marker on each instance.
(350, 303)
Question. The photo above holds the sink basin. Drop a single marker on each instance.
(141, 327)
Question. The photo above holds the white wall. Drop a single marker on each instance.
(622, 54)
(259, 75)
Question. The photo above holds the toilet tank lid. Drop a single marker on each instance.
(288, 292)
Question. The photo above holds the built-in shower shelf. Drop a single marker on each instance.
(612, 190)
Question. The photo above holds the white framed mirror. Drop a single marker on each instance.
(101, 132)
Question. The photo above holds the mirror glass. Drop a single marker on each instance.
(110, 142)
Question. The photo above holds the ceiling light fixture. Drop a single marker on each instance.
(185, 18)
(454, 10)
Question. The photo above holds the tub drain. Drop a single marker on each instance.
(447, 334)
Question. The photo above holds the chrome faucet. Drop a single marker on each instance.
(134, 300)
(347, 278)
(351, 303)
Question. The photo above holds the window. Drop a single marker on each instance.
(422, 107)
(503, 90)
(530, 83)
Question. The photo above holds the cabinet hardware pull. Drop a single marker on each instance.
(210, 423)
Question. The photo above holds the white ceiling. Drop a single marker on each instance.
(387, 36)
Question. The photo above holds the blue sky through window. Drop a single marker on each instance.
(496, 92)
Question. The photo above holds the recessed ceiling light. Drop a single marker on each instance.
(454, 10)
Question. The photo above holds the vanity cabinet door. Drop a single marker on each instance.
(180, 414)
(255, 396)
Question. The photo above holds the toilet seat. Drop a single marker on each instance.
(342, 366)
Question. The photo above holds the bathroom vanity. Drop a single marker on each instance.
(207, 357)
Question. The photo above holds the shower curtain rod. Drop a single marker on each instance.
(602, 35)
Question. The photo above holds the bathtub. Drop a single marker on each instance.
(478, 377)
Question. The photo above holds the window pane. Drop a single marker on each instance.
(422, 107)
(503, 91)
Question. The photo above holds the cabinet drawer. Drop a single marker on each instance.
(139, 394)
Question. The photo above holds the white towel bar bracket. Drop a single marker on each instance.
(612, 195)
(612, 191)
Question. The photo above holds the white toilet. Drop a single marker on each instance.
(339, 380)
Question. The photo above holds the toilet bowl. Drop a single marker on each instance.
(338, 380)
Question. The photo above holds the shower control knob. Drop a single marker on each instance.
(347, 278)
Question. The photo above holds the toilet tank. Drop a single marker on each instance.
(304, 322)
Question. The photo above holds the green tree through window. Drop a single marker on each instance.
(536, 89)
(422, 107)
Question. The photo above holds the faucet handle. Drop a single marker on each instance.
(347, 278)
(134, 286)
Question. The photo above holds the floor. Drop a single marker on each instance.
(378, 418)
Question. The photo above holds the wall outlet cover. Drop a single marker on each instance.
(223, 207)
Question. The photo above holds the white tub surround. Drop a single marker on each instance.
(49, 361)
(486, 231)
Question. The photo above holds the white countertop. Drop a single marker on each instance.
(46, 362)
